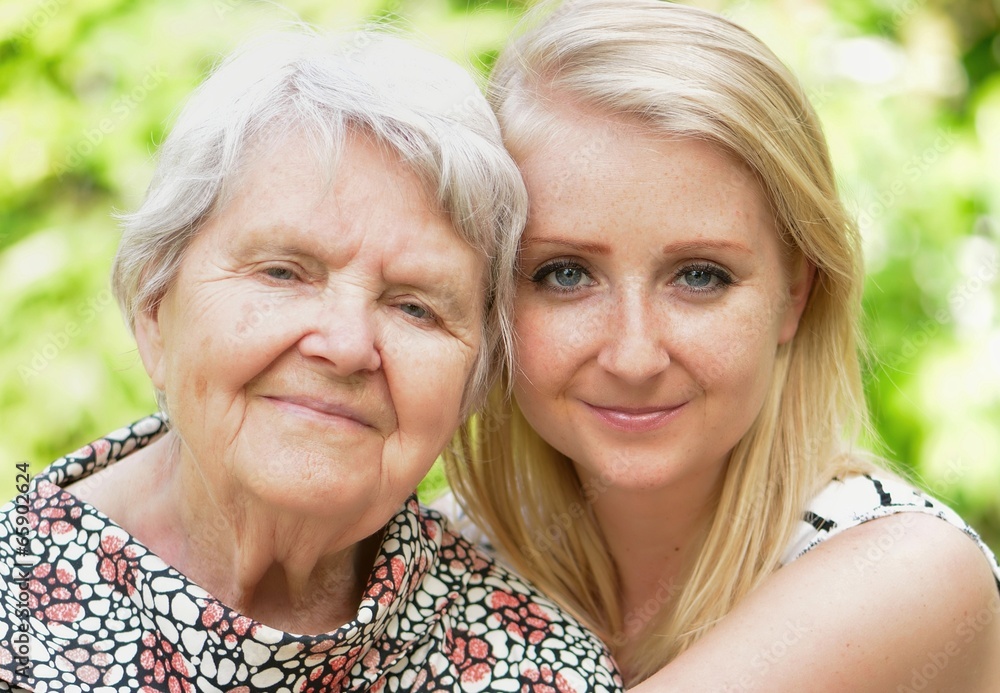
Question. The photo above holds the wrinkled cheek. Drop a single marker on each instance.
(426, 396)
(200, 366)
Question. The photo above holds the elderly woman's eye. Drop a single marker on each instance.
(281, 273)
(416, 311)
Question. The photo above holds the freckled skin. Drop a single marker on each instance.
(634, 332)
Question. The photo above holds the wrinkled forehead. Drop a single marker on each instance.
(326, 147)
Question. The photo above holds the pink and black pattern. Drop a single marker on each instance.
(104, 613)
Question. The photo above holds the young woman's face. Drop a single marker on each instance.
(653, 294)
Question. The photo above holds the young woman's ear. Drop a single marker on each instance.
(802, 278)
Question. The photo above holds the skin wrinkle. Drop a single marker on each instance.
(264, 499)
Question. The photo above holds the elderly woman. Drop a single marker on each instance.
(314, 281)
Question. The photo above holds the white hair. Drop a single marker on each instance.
(424, 107)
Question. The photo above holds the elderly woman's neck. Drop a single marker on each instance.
(292, 573)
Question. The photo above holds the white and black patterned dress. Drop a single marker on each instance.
(86, 607)
(849, 502)
(840, 505)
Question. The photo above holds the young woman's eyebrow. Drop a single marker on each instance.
(704, 244)
(593, 248)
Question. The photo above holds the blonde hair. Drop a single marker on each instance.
(419, 105)
(681, 72)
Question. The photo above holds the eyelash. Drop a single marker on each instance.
(543, 272)
(429, 319)
(267, 272)
(723, 277)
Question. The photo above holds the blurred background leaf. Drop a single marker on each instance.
(909, 92)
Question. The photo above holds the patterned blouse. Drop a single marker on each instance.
(86, 607)
(849, 502)
(839, 506)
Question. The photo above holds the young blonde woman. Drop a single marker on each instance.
(679, 463)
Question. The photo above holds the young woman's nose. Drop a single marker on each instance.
(634, 346)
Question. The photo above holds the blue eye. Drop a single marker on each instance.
(698, 279)
(562, 276)
(568, 276)
(413, 310)
(280, 273)
(704, 277)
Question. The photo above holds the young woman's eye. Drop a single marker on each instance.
(562, 276)
(703, 277)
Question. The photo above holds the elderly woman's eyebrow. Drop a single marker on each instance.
(267, 239)
(306, 280)
(435, 281)
(449, 294)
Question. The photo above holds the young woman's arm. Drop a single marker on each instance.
(901, 604)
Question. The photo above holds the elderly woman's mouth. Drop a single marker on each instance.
(324, 410)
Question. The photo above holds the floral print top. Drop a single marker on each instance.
(86, 607)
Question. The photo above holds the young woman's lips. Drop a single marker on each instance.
(634, 419)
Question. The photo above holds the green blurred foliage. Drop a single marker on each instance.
(909, 92)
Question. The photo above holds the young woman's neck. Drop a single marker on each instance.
(655, 537)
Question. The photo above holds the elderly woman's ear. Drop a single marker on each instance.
(316, 340)
(149, 340)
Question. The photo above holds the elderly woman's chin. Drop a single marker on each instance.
(314, 280)
(312, 355)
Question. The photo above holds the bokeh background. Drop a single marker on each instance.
(909, 92)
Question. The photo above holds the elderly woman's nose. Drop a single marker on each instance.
(342, 332)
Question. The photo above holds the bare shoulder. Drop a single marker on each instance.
(904, 603)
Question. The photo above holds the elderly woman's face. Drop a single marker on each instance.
(315, 345)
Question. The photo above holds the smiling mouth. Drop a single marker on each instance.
(634, 419)
(322, 410)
